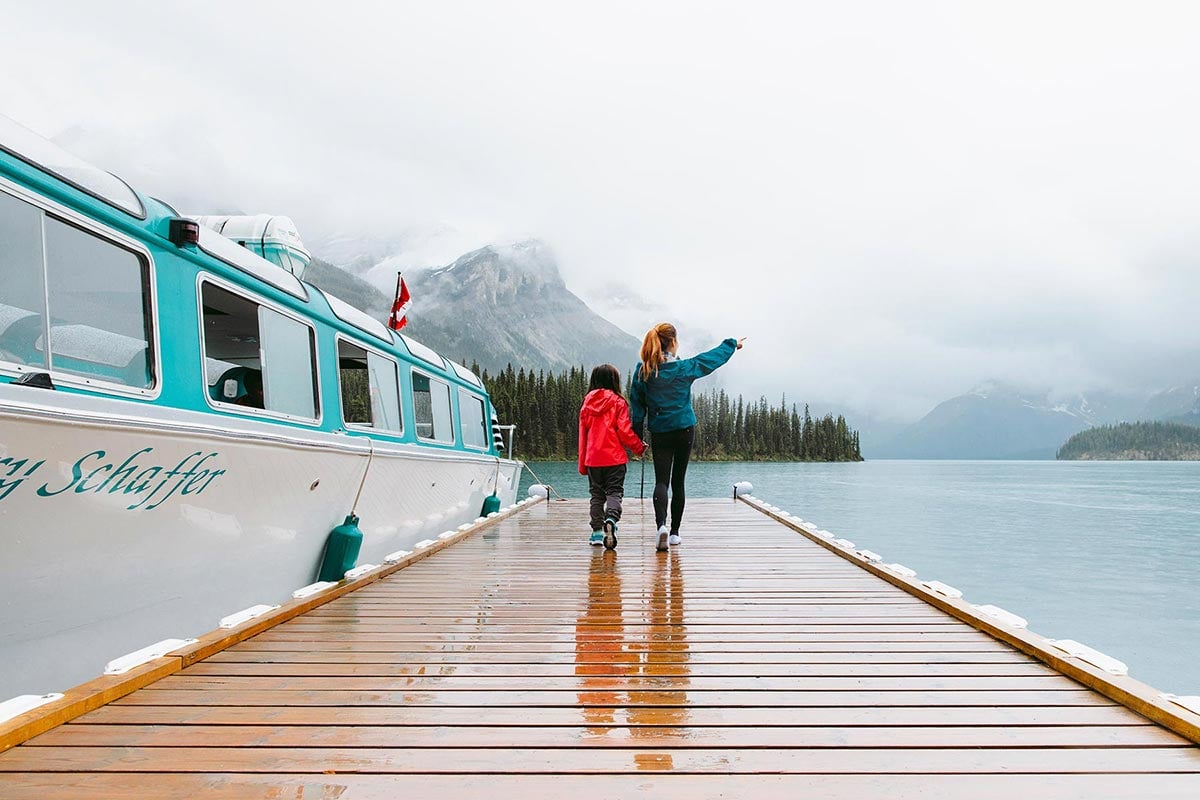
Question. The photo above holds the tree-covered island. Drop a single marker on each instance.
(1134, 441)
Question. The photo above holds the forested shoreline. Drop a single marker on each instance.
(1136, 441)
(545, 408)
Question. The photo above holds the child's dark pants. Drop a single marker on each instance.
(607, 486)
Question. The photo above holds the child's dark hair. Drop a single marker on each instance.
(605, 376)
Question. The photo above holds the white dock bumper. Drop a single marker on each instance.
(944, 589)
(311, 589)
(999, 614)
(359, 571)
(25, 702)
(1190, 701)
(245, 615)
(119, 666)
(1091, 656)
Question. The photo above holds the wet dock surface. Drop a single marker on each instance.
(749, 662)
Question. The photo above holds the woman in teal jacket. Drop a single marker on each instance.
(661, 396)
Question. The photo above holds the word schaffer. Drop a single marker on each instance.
(94, 473)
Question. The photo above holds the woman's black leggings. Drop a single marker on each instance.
(672, 449)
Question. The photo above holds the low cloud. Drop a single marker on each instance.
(893, 202)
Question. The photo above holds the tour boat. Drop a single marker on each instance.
(183, 420)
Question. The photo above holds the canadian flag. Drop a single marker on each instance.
(399, 317)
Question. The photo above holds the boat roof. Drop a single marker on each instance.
(40, 152)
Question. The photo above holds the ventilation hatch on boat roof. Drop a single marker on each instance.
(466, 374)
(270, 236)
(45, 154)
(359, 319)
(424, 353)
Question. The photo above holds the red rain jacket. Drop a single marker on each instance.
(605, 431)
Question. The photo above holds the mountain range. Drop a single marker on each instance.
(999, 421)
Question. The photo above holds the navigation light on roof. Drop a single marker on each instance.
(184, 232)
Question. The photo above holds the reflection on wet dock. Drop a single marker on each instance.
(749, 662)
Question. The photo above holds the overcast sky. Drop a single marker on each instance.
(893, 201)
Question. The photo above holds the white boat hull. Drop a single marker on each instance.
(122, 530)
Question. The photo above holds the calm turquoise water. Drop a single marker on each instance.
(1107, 553)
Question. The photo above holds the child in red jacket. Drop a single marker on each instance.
(604, 432)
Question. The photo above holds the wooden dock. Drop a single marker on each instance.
(751, 662)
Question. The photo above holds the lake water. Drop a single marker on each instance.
(1106, 553)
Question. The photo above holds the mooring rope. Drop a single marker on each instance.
(549, 488)
(363, 482)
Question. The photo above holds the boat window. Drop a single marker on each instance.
(422, 352)
(470, 412)
(23, 289)
(431, 407)
(370, 388)
(466, 374)
(288, 380)
(72, 302)
(359, 319)
(272, 355)
(99, 307)
(356, 384)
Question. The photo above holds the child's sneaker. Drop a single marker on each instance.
(597, 538)
(610, 534)
(662, 539)
(674, 539)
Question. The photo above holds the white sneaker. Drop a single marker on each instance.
(663, 532)
(674, 539)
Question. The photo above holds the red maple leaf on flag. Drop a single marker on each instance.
(400, 307)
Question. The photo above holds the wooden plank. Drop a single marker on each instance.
(318, 786)
(635, 627)
(605, 667)
(683, 637)
(393, 603)
(647, 696)
(806, 656)
(416, 736)
(800, 761)
(570, 716)
(637, 677)
(634, 622)
(689, 646)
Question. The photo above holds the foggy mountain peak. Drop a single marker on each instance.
(530, 258)
(498, 304)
